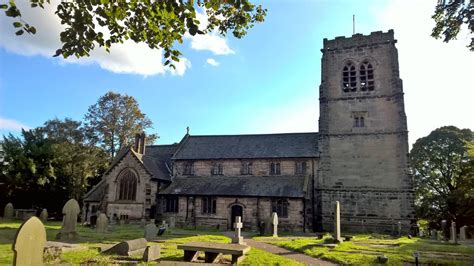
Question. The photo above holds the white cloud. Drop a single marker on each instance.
(128, 57)
(11, 125)
(209, 42)
(437, 77)
(212, 62)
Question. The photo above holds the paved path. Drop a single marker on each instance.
(308, 260)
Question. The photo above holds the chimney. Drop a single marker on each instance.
(136, 145)
(142, 143)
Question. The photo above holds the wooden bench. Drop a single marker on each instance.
(213, 251)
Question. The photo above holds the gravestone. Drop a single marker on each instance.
(337, 223)
(275, 224)
(434, 234)
(142, 223)
(172, 222)
(8, 212)
(44, 216)
(29, 243)
(164, 225)
(238, 239)
(444, 228)
(440, 235)
(151, 253)
(128, 248)
(399, 228)
(150, 231)
(462, 233)
(68, 229)
(102, 223)
(454, 236)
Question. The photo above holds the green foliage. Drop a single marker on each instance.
(443, 173)
(450, 16)
(55, 159)
(114, 120)
(159, 24)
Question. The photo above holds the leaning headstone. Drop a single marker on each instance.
(172, 222)
(275, 224)
(462, 233)
(8, 212)
(68, 229)
(238, 239)
(150, 231)
(44, 216)
(434, 234)
(128, 248)
(337, 223)
(151, 253)
(102, 223)
(454, 236)
(29, 243)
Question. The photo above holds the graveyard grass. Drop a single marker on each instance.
(364, 250)
(89, 241)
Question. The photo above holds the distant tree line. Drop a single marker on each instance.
(62, 159)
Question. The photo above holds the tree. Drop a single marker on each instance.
(443, 169)
(450, 16)
(159, 24)
(115, 120)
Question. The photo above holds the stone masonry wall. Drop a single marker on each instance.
(365, 168)
(142, 205)
(254, 211)
(232, 167)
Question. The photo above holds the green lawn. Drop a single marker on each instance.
(90, 241)
(364, 249)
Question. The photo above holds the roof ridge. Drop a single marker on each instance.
(161, 145)
(263, 134)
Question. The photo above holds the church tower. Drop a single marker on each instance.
(363, 137)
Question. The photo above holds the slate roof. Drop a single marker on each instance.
(289, 145)
(265, 186)
(96, 193)
(157, 160)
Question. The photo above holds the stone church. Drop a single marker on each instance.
(359, 157)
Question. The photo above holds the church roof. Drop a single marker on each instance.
(265, 186)
(288, 145)
(96, 193)
(157, 160)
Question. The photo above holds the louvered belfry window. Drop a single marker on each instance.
(127, 185)
(366, 75)
(349, 79)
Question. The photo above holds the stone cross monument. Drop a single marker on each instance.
(275, 224)
(238, 239)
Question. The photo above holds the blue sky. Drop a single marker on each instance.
(266, 82)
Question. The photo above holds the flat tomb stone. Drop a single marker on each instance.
(128, 248)
(213, 251)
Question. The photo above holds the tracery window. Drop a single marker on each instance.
(275, 168)
(246, 168)
(217, 169)
(366, 76)
(300, 168)
(280, 206)
(188, 168)
(209, 205)
(349, 79)
(127, 185)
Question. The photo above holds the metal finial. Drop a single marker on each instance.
(187, 130)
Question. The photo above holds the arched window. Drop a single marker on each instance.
(127, 185)
(349, 80)
(366, 76)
